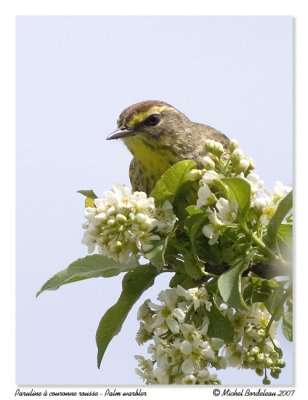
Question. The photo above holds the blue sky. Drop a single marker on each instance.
(74, 75)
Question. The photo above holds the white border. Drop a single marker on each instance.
(8, 12)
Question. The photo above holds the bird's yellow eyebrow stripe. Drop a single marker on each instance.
(137, 118)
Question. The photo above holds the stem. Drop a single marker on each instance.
(280, 304)
(260, 242)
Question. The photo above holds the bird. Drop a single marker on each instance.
(158, 135)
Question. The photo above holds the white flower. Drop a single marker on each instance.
(233, 355)
(186, 347)
(266, 206)
(218, 220)
(164, 218)
(205, 196)
(184, 355)
(209, 177)
(189, 380)
(280, 190)
(178, 314)
(227, 211)
(255, 182)
(188, 366)
(207, 352)
(123, 225)
(214, 228)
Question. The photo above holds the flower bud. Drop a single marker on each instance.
(218, 149)
(208, 163)
(233, 145)
(268, 362)
(275, 373)
(281, 363)
(236, 156)
(259, 371)
(251, 163)
(209, 145)
(255, 350)
(242, 166)
(140, 218)
(121, 219)
(266, 381)
(260, 357)
(111, 222)
(195, 174)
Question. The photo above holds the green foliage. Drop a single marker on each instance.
(90, 197)
(193, 264)
(172, 182)
(259, 290)
(157, 254)
(194, 260)
(275, 303)
(88, 193)
(229, 284)
(93, 266)
(134, 284)
(219, 325)
(183, 280)
(238, 190)
(274, 225)
(287, 325)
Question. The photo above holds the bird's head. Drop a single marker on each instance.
(150, 123)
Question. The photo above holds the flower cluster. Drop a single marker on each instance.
(223, 163)
(183, 352)
(255, 344)
(124, 225)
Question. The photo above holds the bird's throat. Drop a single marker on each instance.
(153, 160)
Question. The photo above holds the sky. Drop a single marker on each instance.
(74, 75)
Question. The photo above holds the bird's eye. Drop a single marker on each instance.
(152, 120)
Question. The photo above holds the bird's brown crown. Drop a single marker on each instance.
(133, 115)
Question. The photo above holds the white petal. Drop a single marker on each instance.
(188, 367)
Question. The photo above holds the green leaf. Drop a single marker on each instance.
(274, 224)
(192, 266)
(93, 266)
(157, 254)
(287, 325)
(219, 325)
(170, 183)
(193, 228)
(88, 193)
(229, 284)
(274, 304)
(238, 190)
(183, 280)
(193, 210)
(259, 290)
(133, 285)
(285, 233)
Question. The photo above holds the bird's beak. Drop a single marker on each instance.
(121, 132)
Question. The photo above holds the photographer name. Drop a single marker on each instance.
(247, 392)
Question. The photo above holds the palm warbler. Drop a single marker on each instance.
(158, 135)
